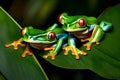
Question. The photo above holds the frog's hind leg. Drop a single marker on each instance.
(15, 44)
(89, 44)
(26, 51)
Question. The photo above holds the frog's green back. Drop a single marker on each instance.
(55, 28)
(33, 32)
(58, 30)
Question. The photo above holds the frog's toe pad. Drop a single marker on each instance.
(77, 57)
(83, 53)
(45, 56)
(52, 56)
(97, 43)
(23, 55)
(7, 45)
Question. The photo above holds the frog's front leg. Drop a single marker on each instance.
(54, 50)
(26, 51)
(15, 44)
(51, 52)
(73, 48)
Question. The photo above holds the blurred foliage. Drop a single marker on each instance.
(43, 13)
(2, 77)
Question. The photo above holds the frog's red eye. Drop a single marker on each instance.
(23, 31)
(51, 35)
(82, 22)
(60, 17)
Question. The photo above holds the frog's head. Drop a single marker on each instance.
(38, 36)
(75, 23)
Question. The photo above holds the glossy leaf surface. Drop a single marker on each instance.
(12, 65)
(104, 59)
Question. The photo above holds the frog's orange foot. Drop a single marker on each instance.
(15, 44)
(50, 54)
(27, 51)
(81, 52)
(88, 46)
(67, 49)
(75, 51)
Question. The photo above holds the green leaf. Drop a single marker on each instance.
(104, 59)
(2, 77)
(12, 65)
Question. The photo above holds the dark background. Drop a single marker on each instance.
(45, 14)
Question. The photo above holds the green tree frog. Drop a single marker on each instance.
(42, 40)
(84, 28)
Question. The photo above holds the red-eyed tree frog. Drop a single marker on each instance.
(84, 28)
(42, 40)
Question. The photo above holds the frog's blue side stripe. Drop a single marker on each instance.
(63, 36)
(91, 27)
(72, 40)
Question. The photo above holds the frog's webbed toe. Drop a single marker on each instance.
(88, 46)
(75, 51)
(26, 51)
(52, 54)
(15, 44)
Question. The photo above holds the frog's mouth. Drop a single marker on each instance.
(71, 28)
(75, 30)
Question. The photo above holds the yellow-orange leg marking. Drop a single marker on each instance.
(15, 44)
(27, 51)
